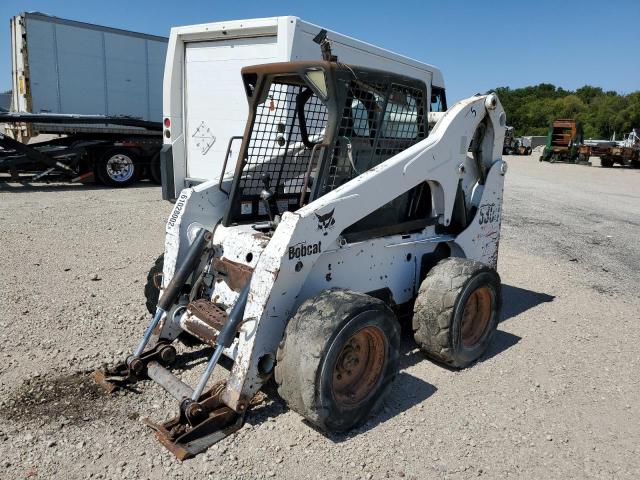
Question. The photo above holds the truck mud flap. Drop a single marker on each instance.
(166, 173)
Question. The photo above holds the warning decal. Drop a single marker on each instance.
(204, 138)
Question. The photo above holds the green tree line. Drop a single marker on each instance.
(530, 110)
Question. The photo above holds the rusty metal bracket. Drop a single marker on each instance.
(199, 425)
(234, 273)
(124, 374)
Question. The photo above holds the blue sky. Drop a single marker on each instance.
(478, 45)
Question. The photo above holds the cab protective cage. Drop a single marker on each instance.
(314, 126)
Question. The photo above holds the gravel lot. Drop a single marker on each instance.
(555, 397)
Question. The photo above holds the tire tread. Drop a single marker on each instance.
(301, 349)
(435, 303)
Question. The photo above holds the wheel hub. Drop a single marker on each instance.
(359, 366)
(476, 316)
(120, 167)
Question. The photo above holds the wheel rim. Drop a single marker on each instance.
(476, 316)
(120, 167)
(359, 366)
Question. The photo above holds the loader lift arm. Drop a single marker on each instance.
(436, 160)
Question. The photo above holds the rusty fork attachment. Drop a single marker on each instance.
(203, 418)
(198, 425)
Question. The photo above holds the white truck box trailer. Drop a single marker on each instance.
(204, 99)
(98, 89)
(66, 67)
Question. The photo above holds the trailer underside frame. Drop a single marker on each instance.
(74, 155)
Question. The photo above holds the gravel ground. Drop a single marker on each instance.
(555, 397)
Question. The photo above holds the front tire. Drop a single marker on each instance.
(154, 282)
(457, 310)
(337, 359)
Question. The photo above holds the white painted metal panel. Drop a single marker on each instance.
(354, 52)
(79, 68)
(126, 75)
(215, 103)
(156, 53)
(43, 71)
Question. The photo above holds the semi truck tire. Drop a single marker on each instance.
(154, 169)
(606, 162)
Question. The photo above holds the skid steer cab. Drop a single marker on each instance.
(350, 202)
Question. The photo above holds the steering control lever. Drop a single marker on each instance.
(266, 195)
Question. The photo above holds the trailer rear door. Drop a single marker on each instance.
(215, 104)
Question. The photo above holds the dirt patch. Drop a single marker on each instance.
(75, 397)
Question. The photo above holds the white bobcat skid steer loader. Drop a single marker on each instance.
(344, 209)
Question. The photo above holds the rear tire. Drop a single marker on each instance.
(457, 310)
(154, 282)
(96, 175)
(606, 163)
(118, 167)
(154, 169)
(337, 359)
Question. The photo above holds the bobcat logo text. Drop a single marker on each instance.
(300, 250)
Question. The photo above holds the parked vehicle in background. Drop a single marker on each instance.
(205, 107)
(5, 101)
(515, 145)
(625, 152)
(563, 141)
(535, 141)
(96, 90)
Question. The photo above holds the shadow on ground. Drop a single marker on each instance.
(501, 342)
(25, 186)
(516, 300)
